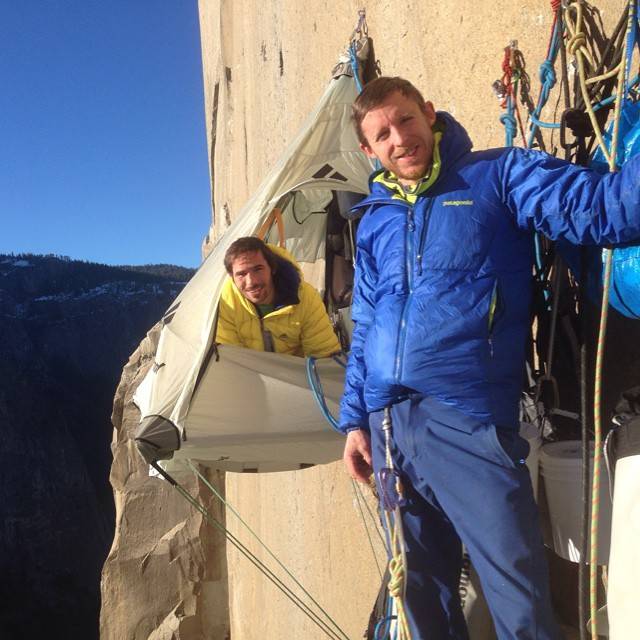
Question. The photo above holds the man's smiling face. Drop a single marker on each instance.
(252, 275)
(398, 133)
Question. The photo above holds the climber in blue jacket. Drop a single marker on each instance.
(441, 309)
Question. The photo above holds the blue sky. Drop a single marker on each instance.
(102, 133)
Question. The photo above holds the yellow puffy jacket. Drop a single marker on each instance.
(301, 329)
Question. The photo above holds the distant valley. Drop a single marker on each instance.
(66, 330)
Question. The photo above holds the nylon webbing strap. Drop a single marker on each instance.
(274, 216)
(324, 623)
(267, 338)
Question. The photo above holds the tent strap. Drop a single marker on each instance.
(274, 216)
(261, 566)
(359, 497)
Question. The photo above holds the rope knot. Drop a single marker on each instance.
(555, 5)
(509, 123)
(577, 41)
(547, 74)
(396, 577)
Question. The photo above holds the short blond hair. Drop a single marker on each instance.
(375, 93)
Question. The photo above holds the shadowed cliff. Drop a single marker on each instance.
(66, 329)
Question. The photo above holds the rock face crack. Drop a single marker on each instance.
(214, 136)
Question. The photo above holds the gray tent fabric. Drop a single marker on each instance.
(157, 438)
(253, 409)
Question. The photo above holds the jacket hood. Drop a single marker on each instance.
(455, 140)
(454, 144)
(287, 277)
(284, 256)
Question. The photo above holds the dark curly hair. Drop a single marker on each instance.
(249, 244)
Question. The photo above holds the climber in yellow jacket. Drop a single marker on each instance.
(266, 305)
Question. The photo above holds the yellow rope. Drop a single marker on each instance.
(397, 555)
(397, 572)
(577, 46)
(604, 76)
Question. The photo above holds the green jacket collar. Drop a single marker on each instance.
(410, 193)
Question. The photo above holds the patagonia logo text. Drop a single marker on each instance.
(457, 203)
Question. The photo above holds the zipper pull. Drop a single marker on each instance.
(419, 263)
(410, 222)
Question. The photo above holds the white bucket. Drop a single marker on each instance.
(531, 434)
(561, 467)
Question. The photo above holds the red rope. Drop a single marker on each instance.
(520, 125)
(507, 72)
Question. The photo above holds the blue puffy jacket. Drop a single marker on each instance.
(442, 291)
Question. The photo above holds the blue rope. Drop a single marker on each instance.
(318, 394)
(604, 103)
(612, 99)
(383, 623)
(548, 79)
(355, 66)
(509, 122)
(543, 125)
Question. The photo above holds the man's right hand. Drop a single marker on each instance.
(357, 455)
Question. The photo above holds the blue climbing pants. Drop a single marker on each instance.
(466, 482)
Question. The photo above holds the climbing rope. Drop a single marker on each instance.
(577, 46)
(506, 89)
(547, 392)
(547, 75)
(383, 627)
(360, 34)
(355, 65)
(336, 634)
(596, 75)
(395, 568)
(392, 499)
(316, 387)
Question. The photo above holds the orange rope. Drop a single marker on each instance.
(274, 216)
